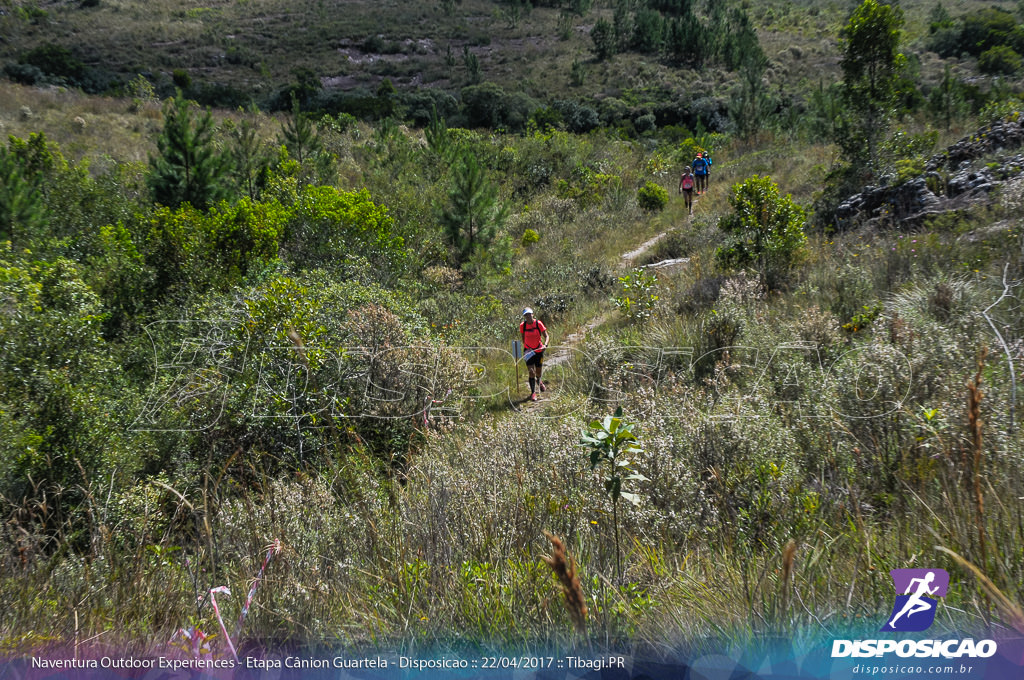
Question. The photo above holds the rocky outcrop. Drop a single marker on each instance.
(896, 201)
(986, 141)
(951, 181)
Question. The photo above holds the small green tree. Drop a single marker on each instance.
(472, 64)
(750, 104)
(330, 228)
(250, 159)
(947, 98)
(578, 74)
(1000, 60)
(871, 63)
(580, 7)
(449, 61)
(565, 23)
(514, 10)
(637, 298)
(22, 210)
(622, 25)
(766, 230)
(300, 135)
(609, 440)
(603, 36)
(824, 112)
(474, 211)
(648, 31)
(939, 18)
(189, 167)
(438, 138)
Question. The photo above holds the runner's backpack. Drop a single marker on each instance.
(687, 182)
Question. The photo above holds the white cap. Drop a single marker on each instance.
(528, 310)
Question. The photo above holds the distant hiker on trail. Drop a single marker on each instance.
(707, 177)
(686, 189)
(535, 339)
(700, 171)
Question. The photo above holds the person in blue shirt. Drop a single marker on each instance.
(707, 177)
(700, 171)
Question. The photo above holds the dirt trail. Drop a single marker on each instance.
(563, 351)
(626, 260)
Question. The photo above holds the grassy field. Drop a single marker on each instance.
(257, 46)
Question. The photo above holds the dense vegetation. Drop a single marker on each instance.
(221, 328)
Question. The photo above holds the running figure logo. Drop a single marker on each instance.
(914, 610)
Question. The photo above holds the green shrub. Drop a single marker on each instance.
(578, 118)
(182, 80)
(330, 227)
(55, 61)
(603, 36)
(24, 74)
(904, 145)
(998, 111)
(907, 169)
(987, 28)
(652, 197)
(999, 60)
(637, 298)
(530, 237)
(55, 372)
(766, 230)
(587, 187)
(488, 105)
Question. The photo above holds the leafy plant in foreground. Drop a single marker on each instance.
(609, 440)
(652, 197)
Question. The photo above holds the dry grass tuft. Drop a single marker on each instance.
(788, 557)
(1010, 610)
(565, 571)
(976, 425)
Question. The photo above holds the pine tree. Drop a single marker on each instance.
(438, 138)
(750, 105)
(603, 36)
(21, 203)
(473, 213)
(472, 64)
(449, 61)
(947, 98)
(250, 159)
(189, 167)
(300, 136)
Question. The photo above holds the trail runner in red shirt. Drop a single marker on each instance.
(535, 339)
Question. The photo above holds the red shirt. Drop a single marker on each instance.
(532, 334)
